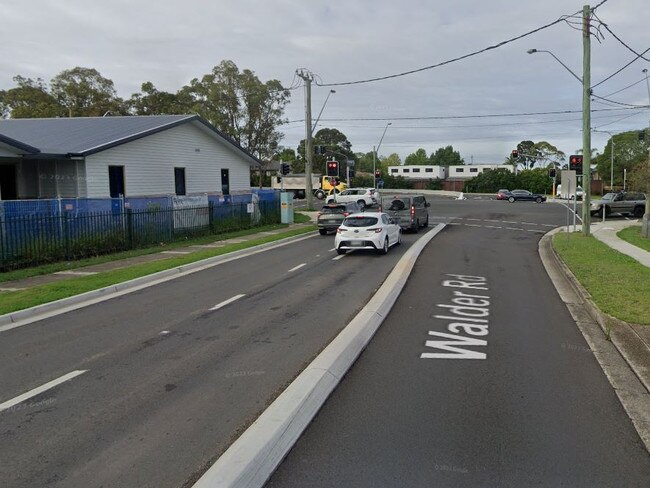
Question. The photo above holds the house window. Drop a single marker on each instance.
(406, 170)
(428, 170)
(473, 170)
(225, 181)
(116, 181)
(459, 170)
(179, 181)
(393, 170)
(416, 170)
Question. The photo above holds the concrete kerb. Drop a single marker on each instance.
(629, 376)
(253, 457)
(39, 312)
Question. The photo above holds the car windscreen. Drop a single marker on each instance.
(360, 221)
(337, 209)
(396, 204)
(609, 196)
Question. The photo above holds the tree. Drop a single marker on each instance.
(640, 181)
(153, 102)
(241, 106)
(418, 157)
(629, 151)
(492, 181)
(84, 92)
(527, 154)
(30, 99)
(446, 156)
(549, 154)
(336, 144)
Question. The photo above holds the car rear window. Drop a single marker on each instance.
(396, 203)
(360, 221)
(336, 209)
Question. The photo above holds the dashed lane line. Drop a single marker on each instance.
(37, 391)
(226, 302)
(297, 267)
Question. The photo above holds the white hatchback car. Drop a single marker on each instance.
(370, 230)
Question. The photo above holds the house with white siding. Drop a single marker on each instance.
(132, 156)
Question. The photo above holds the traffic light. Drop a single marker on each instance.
(332, 168)
(551, 173)
(285, 169)
(575, 163)
(515, 154)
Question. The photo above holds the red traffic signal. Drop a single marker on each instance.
(378, 173)
(575, 163)
(515, 153)
(332, 168)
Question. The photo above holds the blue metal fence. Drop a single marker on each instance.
(65, 232)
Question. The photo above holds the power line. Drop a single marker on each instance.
(620, 103)
(628, 86)
(624, 44)
(618, 120)
(449, 61)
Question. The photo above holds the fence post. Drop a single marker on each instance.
(66, 234)
(211, 216)
(129, 228)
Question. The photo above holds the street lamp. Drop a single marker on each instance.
(533, 51)
(374, 156)
(585, 81)
(611, 164)
(321, 110)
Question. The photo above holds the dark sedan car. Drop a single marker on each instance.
(503, 194)
(525, 195)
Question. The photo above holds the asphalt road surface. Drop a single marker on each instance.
(478, 378)
(154, 385)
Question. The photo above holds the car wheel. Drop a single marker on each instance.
(416, 227)
(322, 232)
(511, 199)
(638, 212)
(320, 194)
(362, 205)
(340, 251)
(399, 237)
(426, 223)
(384, 250)
(608, 211)
(538, 199)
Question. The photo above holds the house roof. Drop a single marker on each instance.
(82, 136)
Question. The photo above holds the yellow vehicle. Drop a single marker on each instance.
(297, 183)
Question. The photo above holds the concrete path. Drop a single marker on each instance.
(606, 233)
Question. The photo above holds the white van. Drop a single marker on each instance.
(579, 191)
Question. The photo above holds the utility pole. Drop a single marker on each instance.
(586, 119)
(308, 77)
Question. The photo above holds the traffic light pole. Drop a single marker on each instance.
(309, 144)
(586, 119)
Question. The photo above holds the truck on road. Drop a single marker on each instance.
(297, 183)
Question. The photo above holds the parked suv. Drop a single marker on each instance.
(409, 211)
(365, 197)
(630, 203)
(331, 215)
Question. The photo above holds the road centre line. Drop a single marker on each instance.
(493, 227)
(514, 228)
(226, 302)
(472, 225)
(297, 267)
(509, 222)
(37, 391)
(528, 223)
(472, 219)
(489, 220)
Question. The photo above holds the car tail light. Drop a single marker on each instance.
(345, 214)
(412, 210)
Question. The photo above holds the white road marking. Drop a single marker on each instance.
(548, 225)
(341, 256)
(513, 228)
(331, 250)
(472, 225)
(226, 302)
(508, 222)
(176, 252)
(528, 223)
(297, 267)
(455, 223)
(37, 391)
(537, 231)
(493, 227)
(76, 273)
(472, 219)
(488, 220)
(165, 332)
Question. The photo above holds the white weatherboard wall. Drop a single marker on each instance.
(149, 163)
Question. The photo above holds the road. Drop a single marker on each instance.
(155, 384)
(478, 377)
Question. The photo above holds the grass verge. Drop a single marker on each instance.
(633, 236)
(619, 285)
(19, 300)
(44, 269)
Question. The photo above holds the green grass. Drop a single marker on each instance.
(44, 269)
(19, 300)
(619, 285)
(633, 236)
(300, 218)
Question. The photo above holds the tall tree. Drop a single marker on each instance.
(154, 102)
(30, 99)
(629, 151)
(446, 156)
(336, 144)
(418, 157)
(84, 92)
(241, 106)
(549, 155)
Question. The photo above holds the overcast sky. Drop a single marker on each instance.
(170, 42)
